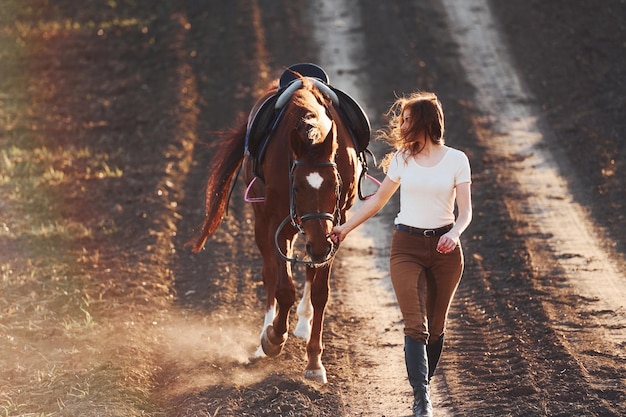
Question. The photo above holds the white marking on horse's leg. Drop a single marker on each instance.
(269, 319)
(315, 180)
(270, 314)
(305, 314)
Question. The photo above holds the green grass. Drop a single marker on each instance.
(64, 350)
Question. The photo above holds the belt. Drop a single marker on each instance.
(424, 232)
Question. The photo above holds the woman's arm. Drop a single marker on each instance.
(367, 210)
(450, 240)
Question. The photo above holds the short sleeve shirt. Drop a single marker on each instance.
(427, 194)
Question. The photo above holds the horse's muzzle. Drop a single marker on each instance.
(323, 256)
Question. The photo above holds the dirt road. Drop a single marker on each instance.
(108, 114)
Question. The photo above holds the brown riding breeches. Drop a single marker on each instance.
(424, 281)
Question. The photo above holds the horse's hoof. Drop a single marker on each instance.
(270, 349)
(316, 375)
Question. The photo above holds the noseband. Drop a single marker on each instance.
(297, 220)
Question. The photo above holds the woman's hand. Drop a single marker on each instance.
(367, 210)
(338, 234)
(447, 243)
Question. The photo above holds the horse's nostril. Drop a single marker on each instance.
(322, 252)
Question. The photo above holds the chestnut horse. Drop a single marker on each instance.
(305, 182)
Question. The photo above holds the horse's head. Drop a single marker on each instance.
(315, 182)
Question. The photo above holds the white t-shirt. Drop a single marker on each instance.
(427, 194)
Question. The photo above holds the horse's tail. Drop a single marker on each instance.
(224, 166)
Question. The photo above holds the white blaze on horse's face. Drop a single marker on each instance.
(315, 180)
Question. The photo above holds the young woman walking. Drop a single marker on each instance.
(426, 260)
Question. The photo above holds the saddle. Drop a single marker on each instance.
(264, 118)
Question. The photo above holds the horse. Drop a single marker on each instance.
(302, 184)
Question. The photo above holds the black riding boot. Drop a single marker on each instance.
(434, 353)
(417, 368)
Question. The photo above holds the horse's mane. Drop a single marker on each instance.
(305, 100)
(309, 98)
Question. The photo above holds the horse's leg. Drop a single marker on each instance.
(315, 371)
(272, 340)
(305, 313)
(270, 314)
(274, 335)
(270, 275)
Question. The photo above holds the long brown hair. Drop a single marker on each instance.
(426, 117)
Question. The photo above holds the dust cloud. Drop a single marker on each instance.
(202, 339)
(211, 350)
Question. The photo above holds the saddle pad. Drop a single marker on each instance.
(356, 119)
(260, 123)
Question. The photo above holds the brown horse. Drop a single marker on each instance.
(305, 182)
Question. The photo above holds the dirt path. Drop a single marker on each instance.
(562, 243)
(518, 135)
(570, 240)
(560, 235)
(361, 272)
(108, 116)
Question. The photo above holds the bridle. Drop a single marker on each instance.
(297, 219)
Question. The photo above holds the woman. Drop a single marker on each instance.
(426, 260)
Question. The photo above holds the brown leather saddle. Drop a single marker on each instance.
(264, 118)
